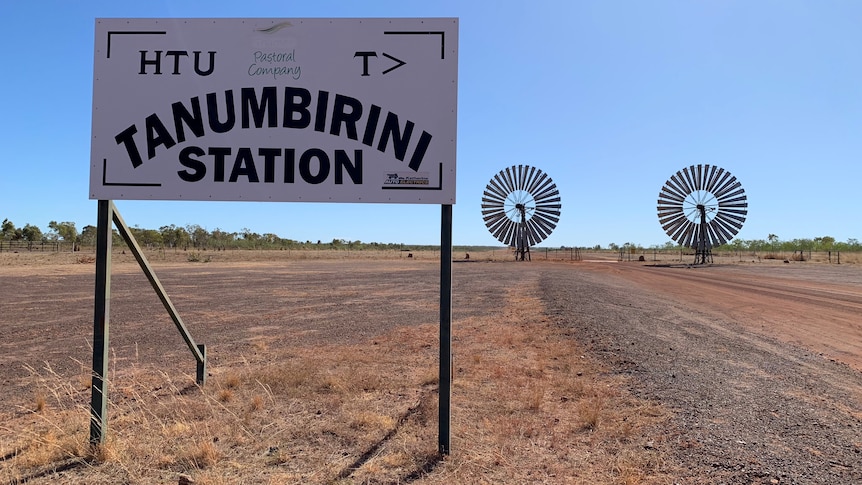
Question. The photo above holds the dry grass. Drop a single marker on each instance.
(531, 408)
(527, 407)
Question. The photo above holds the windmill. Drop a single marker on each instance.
(521, 207)
(702, 206)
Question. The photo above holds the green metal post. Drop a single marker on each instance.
(445, 329)
(101, 318)
(201, 375)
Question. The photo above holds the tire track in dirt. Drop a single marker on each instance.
(832, 297)
(811, 309)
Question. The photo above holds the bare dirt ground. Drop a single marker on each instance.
(759, 364)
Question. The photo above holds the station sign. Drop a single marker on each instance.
(289, 110)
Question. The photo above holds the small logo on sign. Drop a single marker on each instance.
(406, 178)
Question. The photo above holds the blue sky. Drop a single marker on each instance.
(609, 98)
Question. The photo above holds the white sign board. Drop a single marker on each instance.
(311, 110)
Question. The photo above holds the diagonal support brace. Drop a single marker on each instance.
(199, 351)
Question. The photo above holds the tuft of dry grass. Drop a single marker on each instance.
(39, 401)
(200, 455)
(590, 412)
(225, 395)
(527, 407)
(256, 404)
(231, 380)
(366, 420)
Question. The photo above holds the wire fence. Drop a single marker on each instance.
(466, 253)
(47, 246)
(681, 256)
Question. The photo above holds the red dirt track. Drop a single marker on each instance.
(816, 307)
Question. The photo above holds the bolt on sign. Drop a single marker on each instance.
(290, 110)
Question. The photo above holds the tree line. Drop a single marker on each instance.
(196, 237)
(772, 244)
(188, 237)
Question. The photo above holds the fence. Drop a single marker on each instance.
(655, 256)
(686, 256)
(745, 256)
(17, 246)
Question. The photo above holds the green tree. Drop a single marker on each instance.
(148, 238)
(803, 244)
(250, 239)
(271, 240)
(182, 237)
(222, 239)
(169, 236)
(198, 236)
(755, 245)
(66, 230)
(88, 236)
(772, 238)
(31, 233)
(174, 237)
(9, 232)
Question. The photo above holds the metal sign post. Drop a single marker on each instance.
(445, 329)
(101, 317)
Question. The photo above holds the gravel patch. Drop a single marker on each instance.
(748, 408)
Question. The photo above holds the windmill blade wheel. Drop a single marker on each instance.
(700, 207)
(521, 207)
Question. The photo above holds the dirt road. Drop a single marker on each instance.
(816, 306)
(760, 364)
